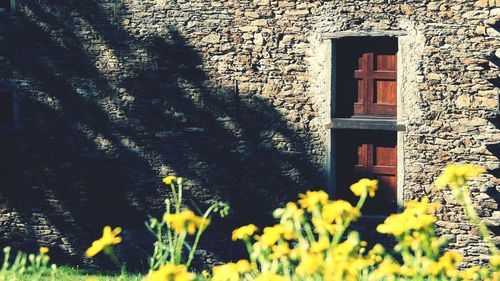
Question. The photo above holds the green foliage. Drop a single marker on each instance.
(36, 266)
(172, 231)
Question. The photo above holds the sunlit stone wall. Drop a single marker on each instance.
(235, 97)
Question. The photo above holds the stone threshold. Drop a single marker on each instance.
(363, 33)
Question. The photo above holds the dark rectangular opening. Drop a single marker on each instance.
(7, 116)
(5, 6)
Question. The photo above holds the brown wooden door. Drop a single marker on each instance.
(368, 154)
(366, 86)
(376, 78)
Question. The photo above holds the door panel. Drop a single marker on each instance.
(385, 62)
(384, 92)
(366, 77)
(368, 154)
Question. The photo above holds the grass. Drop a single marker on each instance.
(71, 274)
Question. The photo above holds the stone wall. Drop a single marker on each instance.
(234, 96)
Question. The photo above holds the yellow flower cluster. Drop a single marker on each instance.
(311, 242)
(339, 211)
(415, 217)
(269, 276)
(244, 232)
(308, 244)
(170, 272)
(313, 199)
(185, 221)
(172, 179)
(456, 176)
(365, 186)
(447, 264)
(44, 250)
(230, 271)
(109, 238)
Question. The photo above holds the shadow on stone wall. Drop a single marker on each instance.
(492, 190)
(494, 149)
(105, 114)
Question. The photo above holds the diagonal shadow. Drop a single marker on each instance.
(94, 145)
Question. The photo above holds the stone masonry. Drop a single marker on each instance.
(235, 96)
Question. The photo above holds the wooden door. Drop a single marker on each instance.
(368, 154)
(366, 79)
(376, 80)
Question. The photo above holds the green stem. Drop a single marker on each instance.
(111, 254)
(474, 218)
(286, 267)
(198, 234)
(179, 200)
(249, 246)
(6, 259)
(309, 233)
(179, 244)
(169, 237)
(344, 226)
(172, 187)
(361, 201)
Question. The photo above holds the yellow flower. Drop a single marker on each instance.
(407, 271)
(310, 264)
(44, 250)
(109, 238)
(243, 266)
(230, 271)
(205, 273)
(365, 186)
(339, 211)
(495, 261)
(170, 272)
(225, 272)
(388, 268)
(321, 226)
(312, 198)
(321, 245)
(415, 217)
(456, 176)
(279, 251)
(470, 273)
(271, 235)
(299, 251)
(446, 264)
(244, 232)
(269, 276)
(291, 211)
(170, 180)
(185, 221)
(346, 248)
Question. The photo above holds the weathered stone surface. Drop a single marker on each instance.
(297, 12)
(235, 96)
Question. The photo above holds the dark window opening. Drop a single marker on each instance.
(7, 110)
(5, 6)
